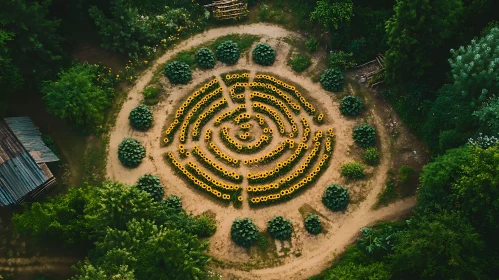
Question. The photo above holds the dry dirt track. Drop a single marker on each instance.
(315, 253)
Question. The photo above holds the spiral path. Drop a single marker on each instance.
(215, 153)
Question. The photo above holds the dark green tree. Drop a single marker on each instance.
(332, 13)
(415, 32)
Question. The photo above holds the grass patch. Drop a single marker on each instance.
(388, 195)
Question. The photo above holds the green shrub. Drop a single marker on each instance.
(141, 117)
(405, 173)
(228, 52)
(151, 184)
(332, 80)
(205, 58)
(300, 63)
(312, 44)
(151, 92)
(351, 105)
(371, 156)
(336, 197)
(364, 135)
(341, 60)
(243, 232)
(178, 73)
(173, 202)
(131, 152)
(205, 226)
(353, 170)
(264, 54)
(313, 224)
(280, 228)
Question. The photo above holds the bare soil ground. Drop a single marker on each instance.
(305, 255)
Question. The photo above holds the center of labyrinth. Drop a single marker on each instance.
(272, 142)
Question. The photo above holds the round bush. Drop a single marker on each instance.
(178, 72)
(332, 80)
(205, 58)
(280, 228)
(313, 224)
(243, 232)
(353, 170)
(131, 152)
(141, 117)
(299, 63)
(152, 186)
(205, 226)
(351, 105)
(364, 135)
(336, 197)
(173, 202)
(228, 52)
(371, 156)
(264, 54)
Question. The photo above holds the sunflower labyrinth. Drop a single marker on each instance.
(258, 140)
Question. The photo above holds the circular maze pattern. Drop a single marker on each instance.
(259, 140)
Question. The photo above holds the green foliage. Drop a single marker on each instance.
(151, 184)
(264, 54)
(128, 31)
(389, 193)
(151, 95)
(31, 33)
(280, 228)
(352, 270)
(415, 33)
(205, 226)
(59, 219)
(371, 156)
(299, 62)
(228, 52)
(376, 243)
(243, 232)
(332, 15)
(442, 246)
(313, 224)
(178, 73)
(312, 44)
(173, 202)
(266, 13)
(131, 152)
(341, 60)
(364, 135)
(205, 58)
(488, 116)
(405, 173)
(77, 95)
(141, 118)
(353, 170)
(351, 105)
(336, 197)
(332, 80)
(474, 67)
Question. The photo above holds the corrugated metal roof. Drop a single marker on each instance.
(19, 173)
(30, 137)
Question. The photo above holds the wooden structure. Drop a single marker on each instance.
(228, 9)
(369, 70)
(23, 157)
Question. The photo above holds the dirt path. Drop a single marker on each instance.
(305, 255)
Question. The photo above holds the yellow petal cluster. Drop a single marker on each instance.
(279, 104)
(230, 114)
(271, 89)
(206, 116)
(260, 107)
(263, 141)
(209, 163)
(221, 155)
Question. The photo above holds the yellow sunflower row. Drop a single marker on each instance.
(244, 136)
(245, 126)
(215, 167)
(280, 168)
(195, 169)
(272, 90)
(206, 116)
(260, 107)
(244, 117)
(306, 129)
(183, 153)
(230, 79)
(236, 92)
(284, 182)
(263, 141)
(195, 181)
(207, 135)
(288, 192)
(230, 114)
(288, 88)
(221, 155)
(272, 155)
(271, 100)
(192, 115)
(188, 103)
